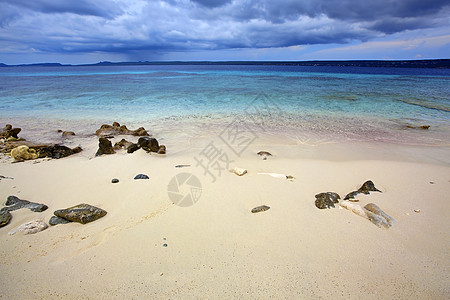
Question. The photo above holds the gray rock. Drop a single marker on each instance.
(326, 200)
(14, 203)
(54, 220)
(141, 176)
(115, 180)
(81, 213)
(260, 209)
(377, 216)
(5, 217)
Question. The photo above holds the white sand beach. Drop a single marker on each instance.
(146, 247)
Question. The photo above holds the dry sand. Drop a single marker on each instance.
(218, 249)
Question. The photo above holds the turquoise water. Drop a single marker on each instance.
(347, 102)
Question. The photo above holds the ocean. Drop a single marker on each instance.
(331, 103)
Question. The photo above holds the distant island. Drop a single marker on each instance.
(426, 63)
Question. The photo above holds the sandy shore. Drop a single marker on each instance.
(218, 249)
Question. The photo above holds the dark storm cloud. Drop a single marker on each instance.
(158, 26)
(212, 3)
(100, 8)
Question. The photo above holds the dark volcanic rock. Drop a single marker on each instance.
(366, 188)
(132, 148)
(9, 132)
(141, 176)
(14, 203)
(260, 209)
(57, 151)
(326, 200)
(115, 180)
(116, 129)
(148, 144)
(162, 149)
(123, 144)
(104, 147)
(81, 213)
(5, 217)
(54, 220)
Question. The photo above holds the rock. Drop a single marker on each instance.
(417, 210)
(5, 217)
(141, 176)
(424, 127)
(57, 151)
(132, 148)
(366, 188)
(264, 154)
(30, 227)
(182, 166)
(239, 171)
(54, 220)
(123, 144)
(351, 195)
(260, 209)
(148, 144)
(22, 153)
(115, 180)
(104, 147)
(377, 216)
(14, 203)
(68, 133)
(81, 213)
(326, 200)
(108, 130)
(9, 132)
(162, 149)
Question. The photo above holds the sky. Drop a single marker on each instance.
(89, 31)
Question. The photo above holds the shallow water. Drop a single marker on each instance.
(326, 103)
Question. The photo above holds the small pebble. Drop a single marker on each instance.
(407, 214)
(431, 182)
(417, 210)
(115, 180)
(141, 176)
(164, 245)
(161, 274)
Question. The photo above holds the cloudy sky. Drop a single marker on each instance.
(88, 31)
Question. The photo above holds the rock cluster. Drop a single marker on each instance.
(116, 129)
(14, 203)
(371, 211)
(21, 150)
(145, 142)
(8, 132)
